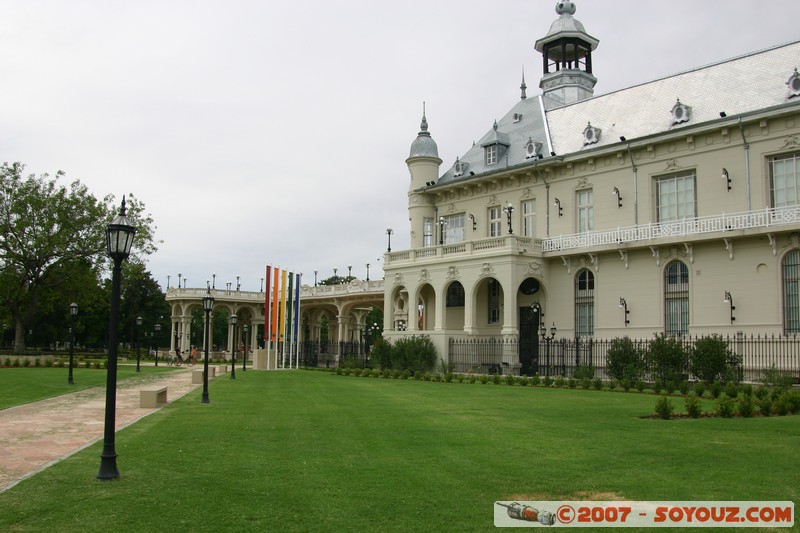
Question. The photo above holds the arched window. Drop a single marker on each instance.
(455, 295)
(676, 299)
(584, 303)
(791, 292)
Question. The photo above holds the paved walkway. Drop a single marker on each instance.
(37, 435)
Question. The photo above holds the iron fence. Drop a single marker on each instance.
(751, 355)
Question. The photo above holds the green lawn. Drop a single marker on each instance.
(24, 385)
(311, 451)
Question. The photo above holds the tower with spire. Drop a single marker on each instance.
(423, 165)
(567, 59)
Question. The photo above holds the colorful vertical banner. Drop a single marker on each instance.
(267, 317)
(295, 335)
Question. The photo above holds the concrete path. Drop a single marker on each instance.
(37, 435)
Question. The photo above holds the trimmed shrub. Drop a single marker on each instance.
(48, 363)
(761, 393)
(625, 383)
(586, 383)
(765, 405)
(693, 405)
(782, 404)
(26, 362)
(405, 374)
(597, 384)
(699, 388)
(524, 381)
(37, 363)
(683, 387)
(747, 407)
(625, 360)
(664, 408)
(726, 406)
(715, 389)
(536, 380)
(484, 379)
(510, 379)
(710, 360)
(472, 378)
(583, 371)
(415, 353)
(639, 385)
(560, 382)
(381, 353)
(666, 359)
(731, 389)
(572, 383)
(496, 379)
(548, 381)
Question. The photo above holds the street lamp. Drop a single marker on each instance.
(509, 209)
(244, 357)
(234, 342)
(73, 310)
(138, 342)
(389, 232)
(157, 327)
(547, 340)
(119, 240)
(208, 305)
(367, 271)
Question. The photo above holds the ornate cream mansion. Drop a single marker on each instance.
(671, 206)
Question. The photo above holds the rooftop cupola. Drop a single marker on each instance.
(423, 160)
(567, 59)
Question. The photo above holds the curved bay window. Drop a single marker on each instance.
(584, 303)
(676, 299)
(791, 292)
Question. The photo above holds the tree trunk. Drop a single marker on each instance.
(19, 338)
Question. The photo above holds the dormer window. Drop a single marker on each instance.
(794, 84)
(680, 112)
(491, 154)
(517, 117)
(459, 168)
(591, 134)
(533, 149)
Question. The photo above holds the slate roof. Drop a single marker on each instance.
(738, 86)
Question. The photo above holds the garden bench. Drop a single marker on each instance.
(153, 397)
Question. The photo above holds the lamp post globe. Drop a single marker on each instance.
(119, 240)
(208, 305)
(138, 343)
(157, 327)
(73, 310)
(233, 321)
(244, 357)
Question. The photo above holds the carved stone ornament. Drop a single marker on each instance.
(398, 278)
(492, 200)
(451, 208)
(452, 272)
(583, 183)
(671, 164)
(534, 267)
(487, 270)
(526, 192)
(793, 141)
(424, 275)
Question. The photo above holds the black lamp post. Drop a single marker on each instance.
(119, 240)
(73, 310)
(138, 343)
(208, 305)
(389, 232)
(158, 334)
(234, 342)
(244, 357)
(367, 271)
(547, 340)
(509, 209)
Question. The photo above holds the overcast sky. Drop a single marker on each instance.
(265, 132)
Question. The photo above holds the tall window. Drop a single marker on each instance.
(791, 292)
(784, 178)
(529, 218)
(495, 222)
(427, 232)
(676, 196)
(455, 295)
(491, 154)
(584, 303)
(676, 299)
(585, 211)
(494, 301)
(453, 228)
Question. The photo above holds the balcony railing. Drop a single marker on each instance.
(762, 219)
(510, 243)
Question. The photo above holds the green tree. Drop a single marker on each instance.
(711, 360)
(667, 359)
(44, 227)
